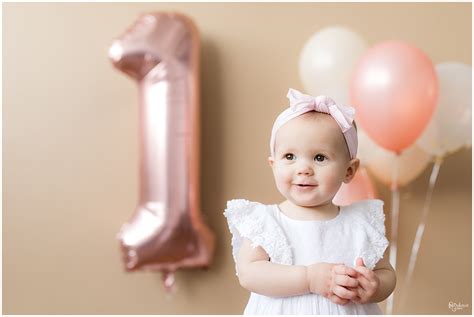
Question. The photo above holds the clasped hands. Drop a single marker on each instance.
(342, 284)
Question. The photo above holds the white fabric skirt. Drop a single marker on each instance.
(309, 304)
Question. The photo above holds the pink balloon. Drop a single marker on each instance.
(394, 89)
(160, 52)
(360, 188)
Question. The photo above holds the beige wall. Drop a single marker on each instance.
(70, 145)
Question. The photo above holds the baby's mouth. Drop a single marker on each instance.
(306, 185)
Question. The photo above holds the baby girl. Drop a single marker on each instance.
(307, 255)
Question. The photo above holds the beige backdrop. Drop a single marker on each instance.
(70, 142)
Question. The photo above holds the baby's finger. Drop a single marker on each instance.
(336, 299)
(345, 280)
(357, 300)
(361, 294)
(360, 261)
(345, 270)
(364, 284)
(344, 293)
(367, 273)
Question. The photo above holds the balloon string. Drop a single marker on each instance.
(421, 229)
(393, 242)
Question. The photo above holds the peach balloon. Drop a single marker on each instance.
(394, 89)
(359, 188)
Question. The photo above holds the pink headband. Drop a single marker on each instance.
(301, 103)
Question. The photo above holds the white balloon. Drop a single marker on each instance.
(327, 61)
(411, 163)
(366, 147)
(450, 126)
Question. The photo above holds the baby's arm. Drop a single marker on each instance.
(260, 276)
(387, 279)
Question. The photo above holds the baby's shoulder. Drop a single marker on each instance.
(256, 222)
(369, 210)
(243, 203)
(366, 219)
(366, 204)
(237, 208)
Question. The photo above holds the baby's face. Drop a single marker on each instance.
(311, 159)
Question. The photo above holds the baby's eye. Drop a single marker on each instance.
(290, 156)
(319, 158)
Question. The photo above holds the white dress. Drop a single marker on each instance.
(357, 231)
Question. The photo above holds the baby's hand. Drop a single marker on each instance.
(368, 283)
(332, 281)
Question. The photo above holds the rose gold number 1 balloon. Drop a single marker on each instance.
(161, 52)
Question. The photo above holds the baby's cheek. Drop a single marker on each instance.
(282, 179)
(332, 181)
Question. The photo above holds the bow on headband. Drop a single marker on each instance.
(301, 103)
(343, 115)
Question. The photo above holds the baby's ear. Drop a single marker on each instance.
(271, 161)
(351, 170)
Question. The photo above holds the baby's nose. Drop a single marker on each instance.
(305, 169)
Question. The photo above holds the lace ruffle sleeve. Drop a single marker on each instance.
(370, 215)
(251, 220)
